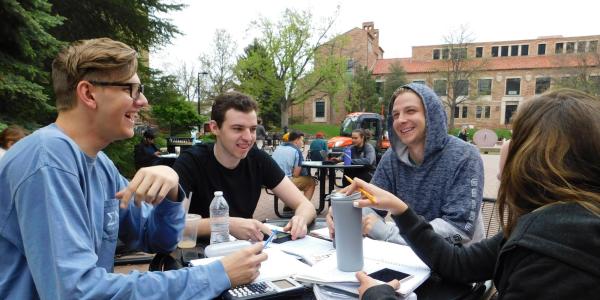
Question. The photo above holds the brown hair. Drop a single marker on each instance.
(364, 133)
(95, 59)
(12, 133)
(224, 102)
(553, 156)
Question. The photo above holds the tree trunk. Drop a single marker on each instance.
(284, 114)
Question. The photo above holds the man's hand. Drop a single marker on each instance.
(248, 229)
(297, 227)
(329, 219)
(242, 266)
(151, 185)
(367, 282)
(368, 222)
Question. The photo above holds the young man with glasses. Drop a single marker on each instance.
(65, 203)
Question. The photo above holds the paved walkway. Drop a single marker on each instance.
(265, 210)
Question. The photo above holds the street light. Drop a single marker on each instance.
(200, 73)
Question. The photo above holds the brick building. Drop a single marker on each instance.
(508, 73)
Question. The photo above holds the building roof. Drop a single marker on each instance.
(411, 65)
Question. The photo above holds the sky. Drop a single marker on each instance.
(401, 24)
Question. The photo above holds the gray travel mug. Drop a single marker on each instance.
(347, 220)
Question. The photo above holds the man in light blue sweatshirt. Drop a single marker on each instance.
(438, 175)
(64, 203)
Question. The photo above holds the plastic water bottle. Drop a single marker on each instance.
(219, 219)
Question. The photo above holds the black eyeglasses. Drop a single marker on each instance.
(135, 89)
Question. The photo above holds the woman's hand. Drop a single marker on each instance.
(367, 282)
(385, 200)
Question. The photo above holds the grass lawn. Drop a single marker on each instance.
(310, 129)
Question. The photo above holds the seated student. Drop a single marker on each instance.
(288, 157)
(234, 166)
(549, 207)
(9, 136)
(318, 145)
(362, 153)
(146, 154)
(439, 175)
(60, 196)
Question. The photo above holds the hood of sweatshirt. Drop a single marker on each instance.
(436, 127)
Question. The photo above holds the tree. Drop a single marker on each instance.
(137, 23)
(187, 81)
(458, 68)
(583, 76)
(395, 79)
(25, 46)
(219, 63)
(256, 75)
(291, 46)
(363, 95)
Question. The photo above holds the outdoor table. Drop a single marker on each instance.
(322, 178)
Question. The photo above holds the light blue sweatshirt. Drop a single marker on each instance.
(446, 188)
(60, 221)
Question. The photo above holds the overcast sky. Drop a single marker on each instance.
(401, 24)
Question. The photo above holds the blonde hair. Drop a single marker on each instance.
(94, 59)
(552, 157)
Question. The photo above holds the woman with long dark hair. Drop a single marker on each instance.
(549, 206)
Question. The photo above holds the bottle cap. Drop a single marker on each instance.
(218, 193)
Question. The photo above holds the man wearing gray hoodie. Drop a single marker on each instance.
(436, 174)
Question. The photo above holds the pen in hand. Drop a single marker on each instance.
(271, 237)
(365, 193)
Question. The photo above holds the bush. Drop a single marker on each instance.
(121, 153)
(503, 133)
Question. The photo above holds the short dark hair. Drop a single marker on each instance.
(149, 134)
(294, 135)
(236, 100)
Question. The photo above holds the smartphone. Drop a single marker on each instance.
(387, 275)
(280, 237)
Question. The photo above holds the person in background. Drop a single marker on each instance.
(439, 175)
(64, 203)
(9, 136)
(318, 145)
(289, 158)
(549, 208)
(232, 165)
(463, 134)
(146, 154)
(362, 153)
(261, 134)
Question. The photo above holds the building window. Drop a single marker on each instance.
(478, 111)
(349, 65)
(595, 79)
(581, 46)
(419, 81)
(319, 109)
(542, 84)
(479, 52)
(593, 46)
(436, 53)
(445, 52)
(462, 88)
(570, 47)
(456, 112)
(484, 87)
(504, 51)
(513, 86)
(524, 50)
(459, 53)
(465, 112)
(486, 112)
(541, 49)
(440, 87)
(514, 50)
(558, 48)
(494, 51)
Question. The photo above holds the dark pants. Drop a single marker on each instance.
(362, 173)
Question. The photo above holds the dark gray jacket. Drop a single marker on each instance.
(553, 253)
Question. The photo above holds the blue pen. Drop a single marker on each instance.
(271, 237)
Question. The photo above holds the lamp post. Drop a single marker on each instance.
(200, 73)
